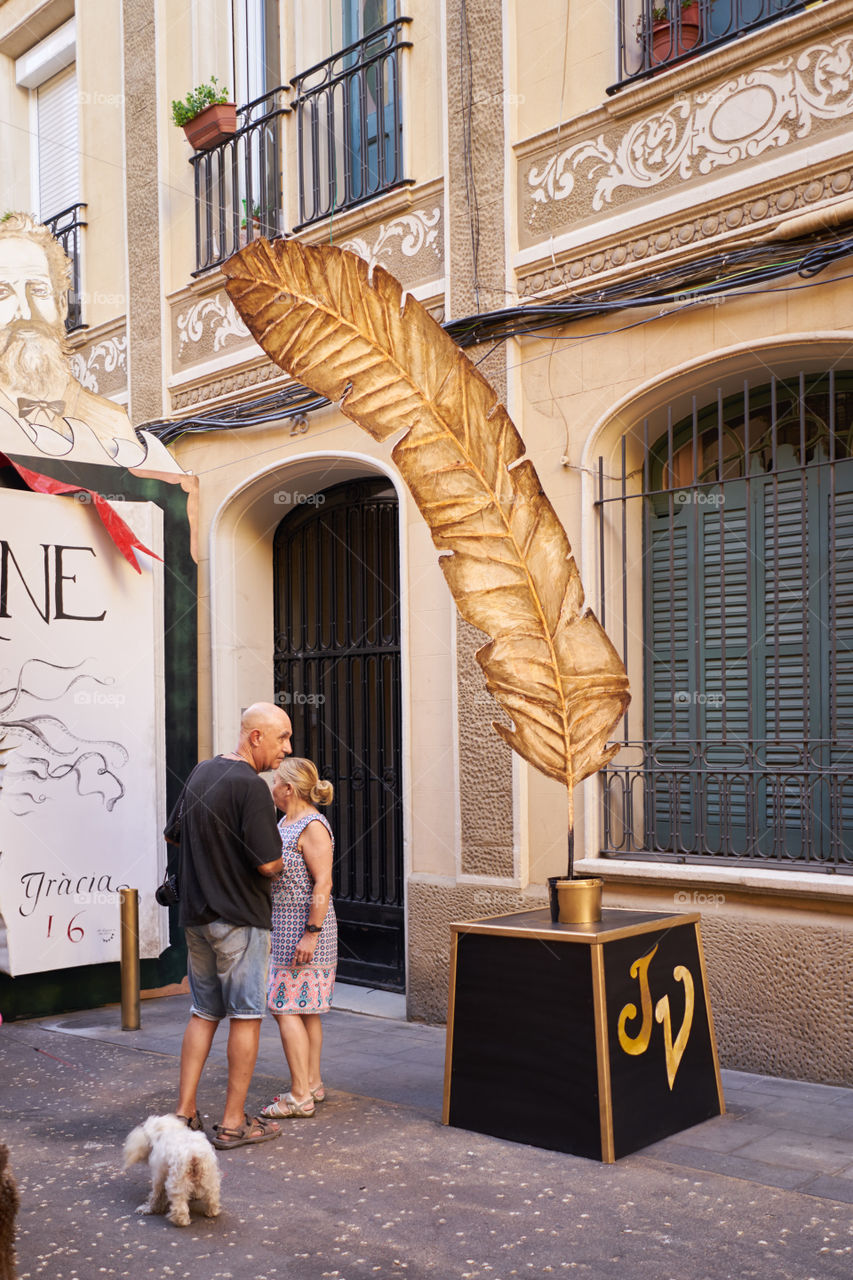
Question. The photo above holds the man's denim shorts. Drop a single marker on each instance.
(227, 968)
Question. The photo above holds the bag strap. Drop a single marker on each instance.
(173, 832)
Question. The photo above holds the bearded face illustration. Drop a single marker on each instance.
(32, 359)
(33, 280)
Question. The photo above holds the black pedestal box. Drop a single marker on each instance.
(592, 1039)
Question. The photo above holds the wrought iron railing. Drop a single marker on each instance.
(734, 599)
(238, 187)
(655, 34)
(768, 801)
(66, 227)
(349, 124)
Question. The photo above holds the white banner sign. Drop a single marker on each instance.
(82, 745)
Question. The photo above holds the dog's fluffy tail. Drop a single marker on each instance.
(136, 1147)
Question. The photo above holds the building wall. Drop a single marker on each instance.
(103, 161)
(620, 189)
(508, 128)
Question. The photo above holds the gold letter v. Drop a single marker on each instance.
(674, 1052)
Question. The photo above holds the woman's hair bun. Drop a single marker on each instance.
(303, 777)
(322, 792)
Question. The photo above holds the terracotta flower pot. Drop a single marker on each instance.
(669, 42)
(212, 126)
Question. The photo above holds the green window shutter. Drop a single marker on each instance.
(671, 679)
(837, 816)
(726, 685)
(788, 666)
(749, 657)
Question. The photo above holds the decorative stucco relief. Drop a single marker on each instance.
(204, 327)
(699, 132)
(202, 393)
(406, 237)
(102, 367)
(223, 386)
(749, 210)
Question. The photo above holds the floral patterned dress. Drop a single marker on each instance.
(299, 988)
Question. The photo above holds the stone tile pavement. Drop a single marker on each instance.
(779, 1133)
(375, 1186)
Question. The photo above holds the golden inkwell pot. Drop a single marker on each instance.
(575, 901)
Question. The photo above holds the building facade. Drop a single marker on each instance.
(676, 187)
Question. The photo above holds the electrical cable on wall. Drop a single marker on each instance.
(709, 279)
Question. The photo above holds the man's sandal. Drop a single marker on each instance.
(285, 1107)
(255, 1129)
(193, 1122)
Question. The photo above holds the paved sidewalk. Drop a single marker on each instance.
(375, 1186)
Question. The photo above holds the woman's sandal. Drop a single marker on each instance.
(226, 1138)
(285, 1107)
(319, 1094)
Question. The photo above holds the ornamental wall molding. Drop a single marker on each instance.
(227, 386)
(697, 132)
(676, 238)
(384, 208)
(210, 322)
(101, 365)
(416, 231)
(237, 384)
(437, 309)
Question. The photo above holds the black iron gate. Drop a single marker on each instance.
(337, 673)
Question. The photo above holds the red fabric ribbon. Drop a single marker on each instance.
(122, 535)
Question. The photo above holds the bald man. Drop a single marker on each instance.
(224, 824)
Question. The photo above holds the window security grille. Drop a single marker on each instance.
(656, 34)
(745, 509)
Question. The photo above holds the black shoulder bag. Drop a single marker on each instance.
(168, 894)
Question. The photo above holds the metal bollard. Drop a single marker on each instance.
(130, 959)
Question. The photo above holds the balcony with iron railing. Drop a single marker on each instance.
(238, 183)
(657, 34)
(66, 227)
(348, 144)
(349, 128)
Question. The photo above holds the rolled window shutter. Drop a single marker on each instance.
(58, 143)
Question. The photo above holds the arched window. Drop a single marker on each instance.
(747, 520)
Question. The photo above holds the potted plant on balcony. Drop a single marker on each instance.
(250, 220)
(669, 38)
(254, 217)
(206, 116)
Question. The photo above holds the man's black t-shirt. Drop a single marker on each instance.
(227, 830)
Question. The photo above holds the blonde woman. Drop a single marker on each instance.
(304, 934)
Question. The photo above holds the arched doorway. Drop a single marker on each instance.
(337, 671)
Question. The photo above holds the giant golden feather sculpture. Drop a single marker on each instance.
(349, 335)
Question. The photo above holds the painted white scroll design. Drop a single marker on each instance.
(767, 107)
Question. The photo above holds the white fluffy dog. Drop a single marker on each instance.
(183, 1168)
